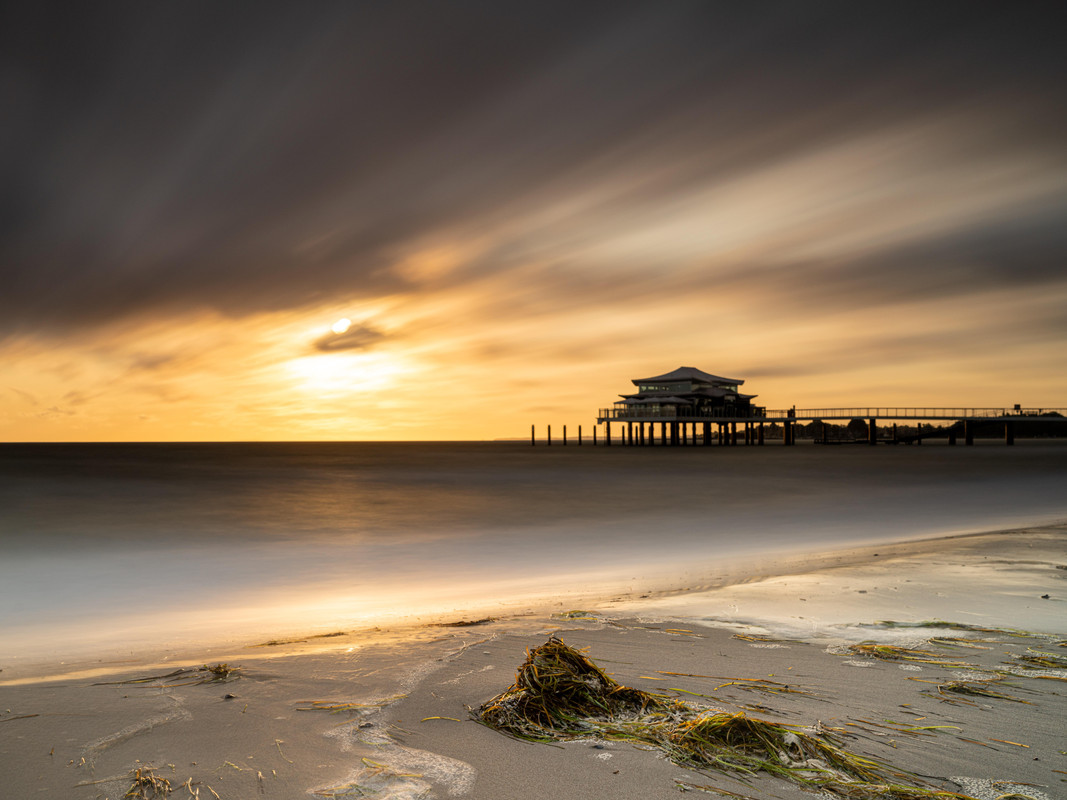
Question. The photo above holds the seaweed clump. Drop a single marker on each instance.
(559, 694)
(147, 785)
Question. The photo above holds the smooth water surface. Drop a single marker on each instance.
(141, 545)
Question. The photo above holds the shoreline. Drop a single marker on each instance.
(387, 715)
(682, 602)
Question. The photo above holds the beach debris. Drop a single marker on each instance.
(147, 785)
(975, 689)
(464, 623)
(559, 694)
(1035, 659)
(337, 707)
(301, 639)
(891, 652)
(764, 685)
(954, 626)
(576, 614)
(19, 716)
(184, 677)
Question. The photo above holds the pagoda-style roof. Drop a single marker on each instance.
(687, 374)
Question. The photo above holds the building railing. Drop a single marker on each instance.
(676, 413)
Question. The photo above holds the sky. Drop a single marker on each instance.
(452, 220)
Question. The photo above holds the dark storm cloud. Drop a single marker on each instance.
(358, 337)
(158, 158)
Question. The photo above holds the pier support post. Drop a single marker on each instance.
(579, 435)
(629, 433)
(759, 436)
(594, 436)
(663, 433)
(564, 435)
(533, 441)
(872, 433)
(549, 435)
(733, 434)
(607, 433)
(674, 434)
(968, 432)
(1009, 433)
(707, 434)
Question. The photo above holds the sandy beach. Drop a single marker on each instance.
(389, 713)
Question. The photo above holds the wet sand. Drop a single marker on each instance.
(386, 714)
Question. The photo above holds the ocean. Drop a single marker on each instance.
(126, 548)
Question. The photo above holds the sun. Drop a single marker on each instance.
(341, 325)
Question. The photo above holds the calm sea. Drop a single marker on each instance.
(137, 546)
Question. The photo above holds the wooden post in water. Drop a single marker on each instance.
(549, 435)
(629, 433)
(707, 434)
(579, 435)
(533, 441)
(759, 440)
(564, 435)
(607, 432)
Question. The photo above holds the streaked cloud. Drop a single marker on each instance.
(838, 201)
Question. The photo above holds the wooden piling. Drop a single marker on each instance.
(760, 437)
(533, 441)
(564, 435)
(607, 433)
(579, 435)
(549, 435)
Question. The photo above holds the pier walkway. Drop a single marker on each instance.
(681, 426)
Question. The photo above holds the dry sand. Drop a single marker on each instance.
(385, 714)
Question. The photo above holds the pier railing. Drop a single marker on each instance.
(860, 412)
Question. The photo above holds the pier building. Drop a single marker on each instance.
(690, 406)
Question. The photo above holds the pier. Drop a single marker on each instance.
(689, 407)
(681, 427)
